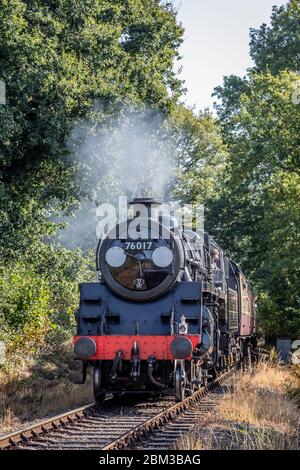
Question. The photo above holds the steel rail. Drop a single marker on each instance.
(132, 436)
(44, 426)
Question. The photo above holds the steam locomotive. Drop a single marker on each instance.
(169, 312)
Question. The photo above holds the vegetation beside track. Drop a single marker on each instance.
(41, 385)
(262, 411)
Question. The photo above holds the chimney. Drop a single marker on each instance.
(151, 204)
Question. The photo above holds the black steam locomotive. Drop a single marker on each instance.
(170, 310)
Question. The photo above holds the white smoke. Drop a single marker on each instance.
(132, 154)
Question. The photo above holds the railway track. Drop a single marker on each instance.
(162, 431)
(114, 426)
(88, 427)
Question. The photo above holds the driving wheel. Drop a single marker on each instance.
(180, 380)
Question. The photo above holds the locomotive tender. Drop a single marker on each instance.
(170, 310)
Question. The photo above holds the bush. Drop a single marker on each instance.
(38, 296)
(25, 305)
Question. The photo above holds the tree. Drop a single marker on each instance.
(58, 58)
(200, 154)
(257, 214)
(276, 48)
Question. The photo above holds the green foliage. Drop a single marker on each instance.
(200, 153)
(38, 296)
(276, 47)
(25, 302)
(278, 268)
(62, 60)
(257, 216)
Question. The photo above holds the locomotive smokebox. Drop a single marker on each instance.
(147, 207)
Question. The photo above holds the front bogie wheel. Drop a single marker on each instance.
(99, 393)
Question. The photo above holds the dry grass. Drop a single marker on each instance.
(40, 387)
(262, 412)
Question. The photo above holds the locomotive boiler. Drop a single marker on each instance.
(170, 310)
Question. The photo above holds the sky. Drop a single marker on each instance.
(217, 42)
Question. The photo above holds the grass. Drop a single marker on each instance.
(41, 386)
(261, 412)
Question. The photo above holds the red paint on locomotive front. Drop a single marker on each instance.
(157, 346)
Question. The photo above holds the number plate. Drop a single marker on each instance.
(139, 245)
